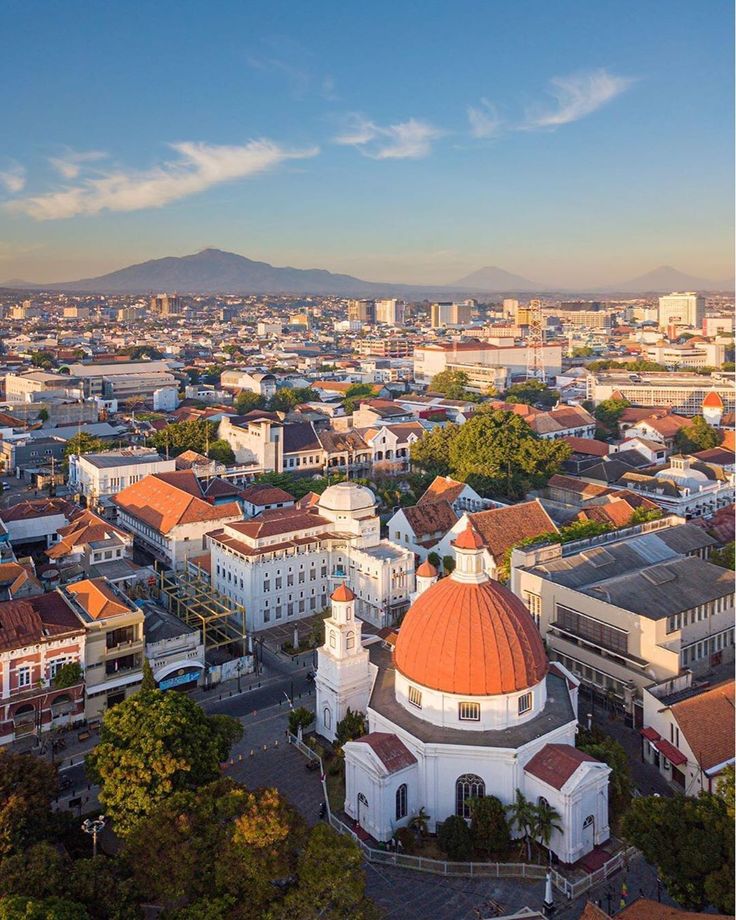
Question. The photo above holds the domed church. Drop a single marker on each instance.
(464, 704)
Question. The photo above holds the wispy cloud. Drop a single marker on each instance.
(484, 119)
(13, 178)
(410, 139)
(576, 96)
(70, 163)
(198, 167)
(298, 66)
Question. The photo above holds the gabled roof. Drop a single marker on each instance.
(588, 446)
(300, 436)
(502, 528)
(34, 620)
(442, 487)
(707, 722)
(430, 517)
(265, 494)
(390, 750)
(279, 521)
(39, 507)
(556, 763)
(86, 527)
(166, 500)
(97, 598)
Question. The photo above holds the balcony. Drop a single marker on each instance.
(123, 665)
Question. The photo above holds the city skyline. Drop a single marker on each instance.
(568, 147)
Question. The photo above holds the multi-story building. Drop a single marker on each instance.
(265, 329)
(38, 636)
(94, 547)
(390, 312)
(631, 608)
(485, 365)
(97, 477)
(447, 313)
(114, 646)
(388, 347)
(261, 384)
(683, 393)
(688, 730)
(35, 386)
(37, 520)
(697, 354)
(166, 305)
(684, 486)
(681, 309)
(362, 311)
(120, 380)
(283, 565)
(169, 515)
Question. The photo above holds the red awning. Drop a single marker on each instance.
(671, 753)
(649, 733)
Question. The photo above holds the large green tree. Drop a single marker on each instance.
(174, 439)
(84, 443)
(431, 452)
(19, 907)
(27, 787)
(691, 842)
(724, 556)
(609, 751)
(453, 385)
(498, 453)
(151, 745)
(533, 393)
(356, 394)
(489, 827)
(609, 411)
(331, 883)
(246, 401)
(287, 397)
(697, 436)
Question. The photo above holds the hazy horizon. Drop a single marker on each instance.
(563, 142)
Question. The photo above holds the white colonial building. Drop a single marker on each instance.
(466, 705)
(99, 476)
(283, 564)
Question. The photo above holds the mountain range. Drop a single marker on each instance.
(215, 271)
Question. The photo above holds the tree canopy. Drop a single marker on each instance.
(286, 398)
(151, 745)
(84, 443)
(356, 394)
(453, 385)
(533, 393)
(691, 842)
(174, 439)
(697, 436)
(609, 411)
(496, 452)
(27, 787)
(723, 556)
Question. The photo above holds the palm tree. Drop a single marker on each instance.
(420, 824)
(547, 819)
(522, 814)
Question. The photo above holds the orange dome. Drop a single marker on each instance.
(474, 639)
(426, 570)
(342, 593)
(712, 401)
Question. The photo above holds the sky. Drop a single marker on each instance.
(571, 142)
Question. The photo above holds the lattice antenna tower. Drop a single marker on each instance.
(535, 343)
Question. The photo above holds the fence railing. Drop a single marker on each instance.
(570, 889)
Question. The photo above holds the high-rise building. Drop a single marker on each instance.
(510, 306)
(166, 304)
(363, 311)
(522, 316)
(446, 313)
(390, 312)
(683, 308)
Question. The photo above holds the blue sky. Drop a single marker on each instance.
(571, 142)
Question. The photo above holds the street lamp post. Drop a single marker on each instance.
(94, 827)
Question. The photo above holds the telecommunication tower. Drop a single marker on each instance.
(535, 343)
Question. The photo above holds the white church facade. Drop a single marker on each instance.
(464, 705)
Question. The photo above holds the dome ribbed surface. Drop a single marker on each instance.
(473, 639)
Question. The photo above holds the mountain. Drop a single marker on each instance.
(492, 279)
(665, 279)
(215, 271)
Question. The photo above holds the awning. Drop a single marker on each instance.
(650, 734)
(675, 757)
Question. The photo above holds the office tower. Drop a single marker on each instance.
(446, 313)
(363, 311)
(166, 305)
(390, 312)
(683, 308)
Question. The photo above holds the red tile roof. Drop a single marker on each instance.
(502, 528)
(342, 594)
(556, 763)
(390, 750)
(166, 500)
(588, 446)
(670, 752)
(442, 487)
(707, 724)
(430, 517)
(644, 909)
(98, 599)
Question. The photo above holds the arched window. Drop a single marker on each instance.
(350, 640)
(542, 801)
(401, 802)
(588, 821)
(327, 717)
(468, 786)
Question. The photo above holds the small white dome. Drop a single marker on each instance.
(347, 496)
